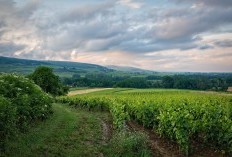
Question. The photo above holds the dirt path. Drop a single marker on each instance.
(162, 147)
(159, 146)
(85, 91)
(107, 129)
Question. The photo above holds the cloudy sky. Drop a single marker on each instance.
(160, 35)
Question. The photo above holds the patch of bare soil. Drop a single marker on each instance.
(107, 130)
(85, 91)
(162, 147)
(159, 146)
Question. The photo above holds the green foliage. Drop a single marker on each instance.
(180, 116)
(215, 82)
(75, 133)
(21, 103)
(120, 115)
(168, 82)
(7, 120)
(48, 81)
(133, 83)
(126, 143)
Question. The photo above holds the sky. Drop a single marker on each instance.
(159, 35)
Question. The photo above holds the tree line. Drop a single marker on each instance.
(216, 82)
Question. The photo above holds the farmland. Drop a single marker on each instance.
(113, 121)
(31, 124)
(182, 116)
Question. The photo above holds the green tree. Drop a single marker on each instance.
(48, 81)
(168, 82)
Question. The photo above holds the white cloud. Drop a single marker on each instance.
(124, 32)
(130, 3)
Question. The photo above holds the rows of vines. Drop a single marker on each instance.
(182, 117)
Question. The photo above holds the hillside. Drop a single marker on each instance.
(61, 68)
(130, 69)
(68, 68)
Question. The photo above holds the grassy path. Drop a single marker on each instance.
(85, 91)
(69, 132)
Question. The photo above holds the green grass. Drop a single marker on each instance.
(69, 132)
(74, 132)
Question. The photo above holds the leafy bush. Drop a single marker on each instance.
(7, 120)
(21, 103)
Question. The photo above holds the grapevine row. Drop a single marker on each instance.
(182, 117)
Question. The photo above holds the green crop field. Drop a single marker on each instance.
(31, 124)
(113, 122)
(182, 116)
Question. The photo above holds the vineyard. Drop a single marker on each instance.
(181, 116)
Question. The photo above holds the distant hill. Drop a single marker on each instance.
(61, 68)
(16, 61)
(67, 68)
(130, 69)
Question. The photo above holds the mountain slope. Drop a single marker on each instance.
(61, 68)
(66, 68)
